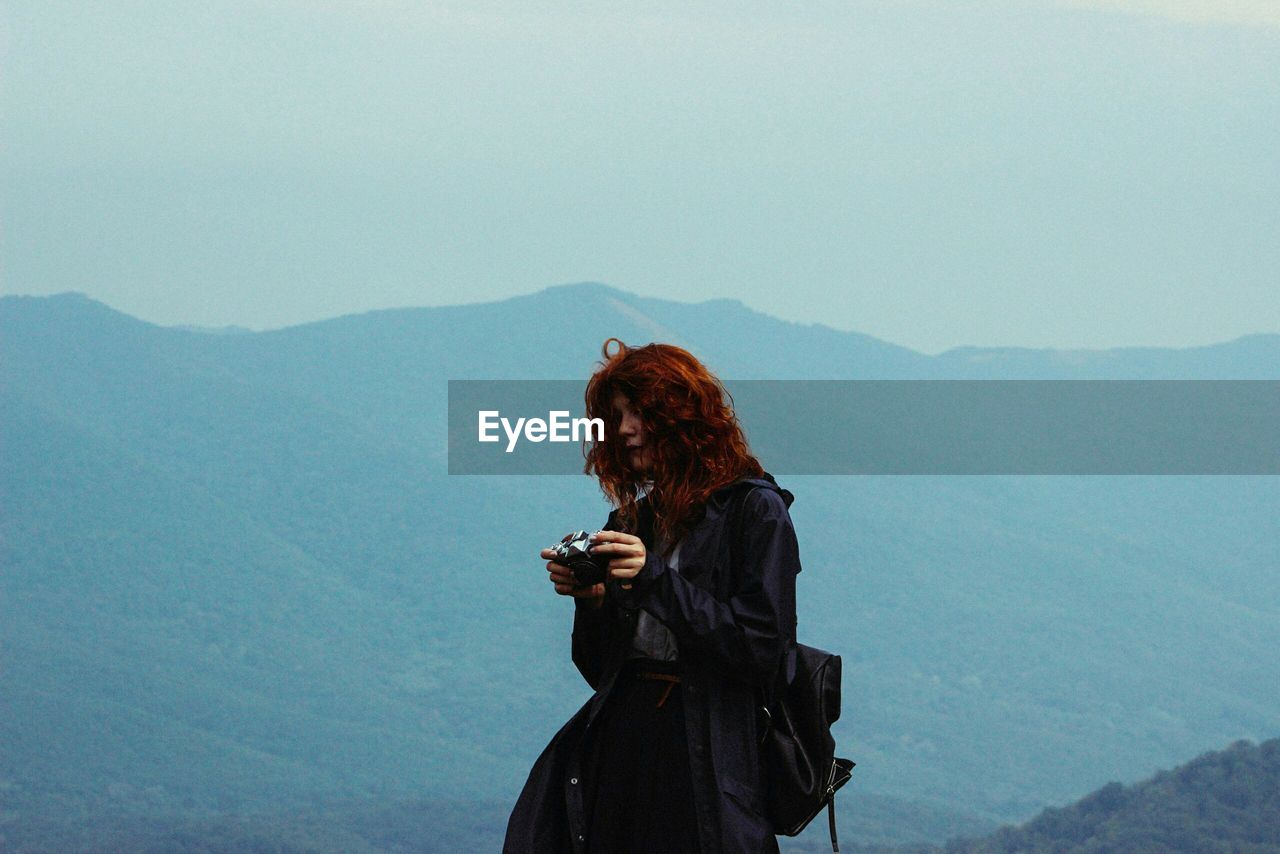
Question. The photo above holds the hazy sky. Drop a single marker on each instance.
(1075, 173)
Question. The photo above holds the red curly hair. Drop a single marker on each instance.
(696, 441)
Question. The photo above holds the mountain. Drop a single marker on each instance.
(1226, 800)
(237, 579)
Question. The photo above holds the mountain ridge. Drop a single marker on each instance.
(839, 353)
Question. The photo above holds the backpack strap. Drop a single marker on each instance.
(766, 698)
(735, 539)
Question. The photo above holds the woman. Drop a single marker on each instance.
(696, 618)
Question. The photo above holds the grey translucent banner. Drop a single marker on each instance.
(1133, 427)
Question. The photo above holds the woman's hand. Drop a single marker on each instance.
(562, 578)
(626, 554)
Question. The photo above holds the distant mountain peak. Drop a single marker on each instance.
(65, 297)
(65, 306)
(584, 289)
(599, 290)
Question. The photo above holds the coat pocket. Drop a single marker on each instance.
(747, 798)
(745, 828)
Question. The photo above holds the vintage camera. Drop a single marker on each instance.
(572, 551)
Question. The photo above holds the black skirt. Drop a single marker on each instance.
(638, 786)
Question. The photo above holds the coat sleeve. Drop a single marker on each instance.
(750, 633)
(593, 631)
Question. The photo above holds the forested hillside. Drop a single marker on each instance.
(1227, 800)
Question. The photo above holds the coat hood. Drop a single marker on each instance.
(720, 498)
(721, 495)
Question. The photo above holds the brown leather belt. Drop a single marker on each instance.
(670, 678)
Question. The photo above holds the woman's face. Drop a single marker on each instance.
(631, 431)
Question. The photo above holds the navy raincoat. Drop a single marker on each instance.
(735, 622)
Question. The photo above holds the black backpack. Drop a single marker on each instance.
(801, 771)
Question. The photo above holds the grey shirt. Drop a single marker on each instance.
(652, 639)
